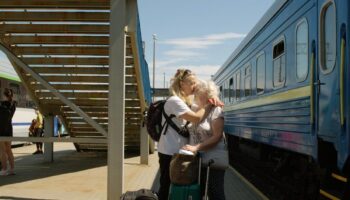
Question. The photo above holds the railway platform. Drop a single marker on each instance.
(83, 175)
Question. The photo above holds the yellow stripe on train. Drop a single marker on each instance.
(274, 98)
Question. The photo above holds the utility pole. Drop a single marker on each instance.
(164, 80)
(154, 61)
(164, 83)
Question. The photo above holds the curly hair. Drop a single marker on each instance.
(207, 87)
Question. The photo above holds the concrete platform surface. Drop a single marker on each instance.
(73, 175)
(83, 176)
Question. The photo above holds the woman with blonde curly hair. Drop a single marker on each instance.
(177, 107)
(208, 135)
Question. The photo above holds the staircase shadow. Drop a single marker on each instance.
(20, 198)
(31, 167)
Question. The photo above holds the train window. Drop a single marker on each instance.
(221, 93)
(328, 37)
(279, 63)
(278, 49)
(238, 85)
(260, 73)
(302, 56)
(247, 80)
(226, 91)
(231, 90)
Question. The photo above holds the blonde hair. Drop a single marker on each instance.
(207, 87)
(175, 84)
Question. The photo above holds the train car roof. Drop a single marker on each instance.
(276, 6)
(6, 69)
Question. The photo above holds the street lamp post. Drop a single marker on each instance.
(164, 80)
(164, 83)
(154, 61)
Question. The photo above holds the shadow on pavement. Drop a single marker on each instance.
(30, 167)
(155, 185)
(19, 198)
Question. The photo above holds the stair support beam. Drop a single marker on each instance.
(48, 86)
(132, 30)
(116, 102)
(49, 132)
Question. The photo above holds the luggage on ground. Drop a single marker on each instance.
(142, 194)
(183, 169)
(185, 192)
(190, 191)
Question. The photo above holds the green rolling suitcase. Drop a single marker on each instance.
(185, 192)
(193, 191)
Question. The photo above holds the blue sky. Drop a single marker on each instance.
(195, 34)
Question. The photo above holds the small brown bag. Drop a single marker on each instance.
(184, 169)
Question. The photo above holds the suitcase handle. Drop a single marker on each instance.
(199, 168)
(210, 162)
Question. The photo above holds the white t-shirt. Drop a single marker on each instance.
(202, 131)
(171, 142)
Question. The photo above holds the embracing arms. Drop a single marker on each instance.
(197, 116)
(218, 129)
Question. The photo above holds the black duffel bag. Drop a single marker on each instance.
(142, 194)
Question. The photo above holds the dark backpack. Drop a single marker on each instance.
(154, 121)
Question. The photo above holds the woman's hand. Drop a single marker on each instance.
(216, 102)
(191, 148)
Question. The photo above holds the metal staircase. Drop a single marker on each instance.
(66, 43)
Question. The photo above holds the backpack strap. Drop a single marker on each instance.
(181, 131)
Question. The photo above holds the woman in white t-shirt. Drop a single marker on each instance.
(207, 135)
(182, 87)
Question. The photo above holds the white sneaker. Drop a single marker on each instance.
(3, 173)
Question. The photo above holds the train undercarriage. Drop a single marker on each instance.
(283, 174)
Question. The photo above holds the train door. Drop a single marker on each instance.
(327, 83)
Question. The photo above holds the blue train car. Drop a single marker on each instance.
(286, 86)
